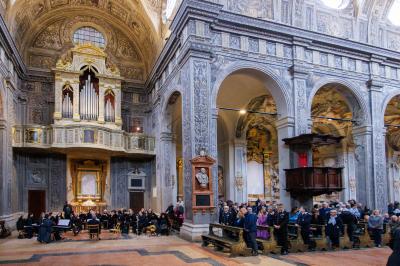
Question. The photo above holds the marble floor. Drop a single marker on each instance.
(131, 250)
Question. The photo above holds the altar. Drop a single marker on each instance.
(88, 182)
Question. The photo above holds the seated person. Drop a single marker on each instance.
(163, 224)
(93, 220)
(44, 235)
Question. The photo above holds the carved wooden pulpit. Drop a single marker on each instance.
(202, 184)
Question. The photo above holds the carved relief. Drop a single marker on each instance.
(200, 83)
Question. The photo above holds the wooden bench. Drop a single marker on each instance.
(231, 238)
(268, 245)
(296, 243)
(344, 241)
(320, 240)
(386, 235)
(363, 236)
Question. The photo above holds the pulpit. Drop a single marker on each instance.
(303, 180)
(202, 197)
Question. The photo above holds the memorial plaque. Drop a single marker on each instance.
(202, 200)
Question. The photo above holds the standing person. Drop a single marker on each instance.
(250, 227)
(226, 217)
(262, 220)
(375, 225)
(281, 228)
(334, 228)
(304, 221)
(394, 258)
(67, 209)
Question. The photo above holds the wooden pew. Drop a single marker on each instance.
(231, 239)
(296, 243)
(363, 236)
(386, 235)
(344, 241)
(268, 245)
(320, 240)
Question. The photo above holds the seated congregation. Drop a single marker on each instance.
(267, 226)
(50, 226)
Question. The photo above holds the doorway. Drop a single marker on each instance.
(136, 200)
(36, 202)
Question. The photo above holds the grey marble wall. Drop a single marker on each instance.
(120, 167)
(41, 171)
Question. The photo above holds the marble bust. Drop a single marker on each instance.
(202, 177)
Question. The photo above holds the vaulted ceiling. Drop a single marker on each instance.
(43, 30)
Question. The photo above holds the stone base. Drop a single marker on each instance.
(193, 232)
(11, 219)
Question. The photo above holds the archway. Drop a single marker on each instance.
(172, 138)
(336, 111)
(247, 140)
(392, 124)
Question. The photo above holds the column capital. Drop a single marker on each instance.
(283, 122)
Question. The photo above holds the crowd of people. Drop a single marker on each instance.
(123, 220)
(332, 215)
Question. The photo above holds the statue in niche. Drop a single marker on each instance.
(220, 181)
(202, 178)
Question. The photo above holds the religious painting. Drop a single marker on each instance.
(88, 183)
(257, 142)
(88, 136)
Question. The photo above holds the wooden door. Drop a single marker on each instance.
(136, 200)
(36, 202)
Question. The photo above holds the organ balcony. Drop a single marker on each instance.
(78, 136)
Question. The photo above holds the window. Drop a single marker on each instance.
(89, 35)
(394, 13)
(336, 4)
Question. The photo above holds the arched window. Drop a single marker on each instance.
(67, 100)
(89, 35)
(109, 106)
(89, 94)
(394, 13)
(336, 4)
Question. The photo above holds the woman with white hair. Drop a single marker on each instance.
(375, 225)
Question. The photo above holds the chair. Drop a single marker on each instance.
(117, 229)
(94, 230)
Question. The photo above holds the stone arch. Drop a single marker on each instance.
(279, 89)
(386, 100)
(352, 94)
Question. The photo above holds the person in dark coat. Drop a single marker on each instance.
(250, 228)
(334, 228)
(394, 258)
(281, 228)
(67, 209)
(304, 221)
(44, 235)
(350, 220)
(226, 217)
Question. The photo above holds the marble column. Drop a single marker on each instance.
(380, 185)
(75, 101)
(286, 129)
(240, 171)
(167, 195)
(364, 178)
(118, 119)
(100, 118)
(58, 84)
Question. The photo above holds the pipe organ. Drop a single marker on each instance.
(87, 88)
(89, 97)
(67, 103)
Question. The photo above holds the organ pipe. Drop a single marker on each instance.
(89, 101)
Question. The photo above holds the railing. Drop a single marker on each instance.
(75, 136)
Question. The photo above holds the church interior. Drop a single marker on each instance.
(153, 116)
